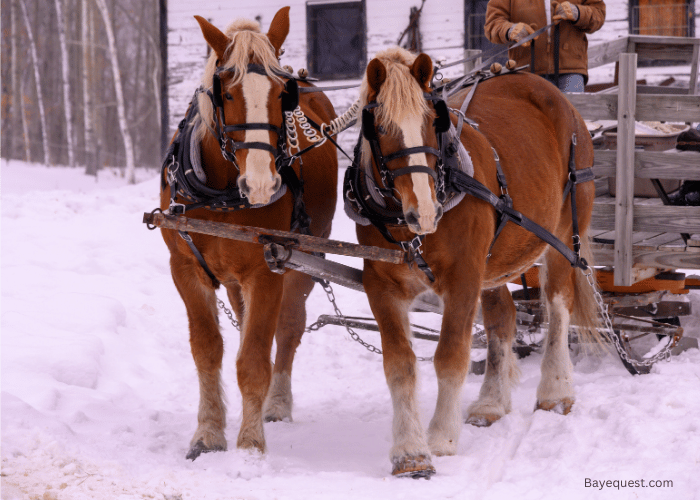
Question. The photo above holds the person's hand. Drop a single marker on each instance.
(565, 11)
(519, 31)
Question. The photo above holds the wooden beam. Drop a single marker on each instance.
(649, 107)
(643, 256)
(624, 192)
(652, 164)
(649, 218)
(605, 53)
(263, 236)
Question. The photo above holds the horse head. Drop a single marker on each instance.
(242, 103)
(400, 141)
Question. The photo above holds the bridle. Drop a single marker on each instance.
(290, 100)
(388, 176)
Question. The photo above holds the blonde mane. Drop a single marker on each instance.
(400, 96)
(248, 45)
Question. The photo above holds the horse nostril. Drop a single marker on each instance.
(243, 186)
(278, 184)
(439, 213)
(412, 219)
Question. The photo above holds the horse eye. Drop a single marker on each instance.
(380, 130)
(228, 96)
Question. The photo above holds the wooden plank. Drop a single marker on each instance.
(688, 258)
(605, 53)
(262, 236)
(693, 84)
(650, 218)
(650, 107)
(340, 274)
(624, 192)
(652, 164)
(664, 40)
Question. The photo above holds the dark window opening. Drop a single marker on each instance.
(336, 39)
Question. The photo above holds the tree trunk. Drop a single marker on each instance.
(37, 81)
(90, 163)
(16, 115)
(25, 123)
(65, 68)
(123, 125)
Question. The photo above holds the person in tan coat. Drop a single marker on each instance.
(512, 20)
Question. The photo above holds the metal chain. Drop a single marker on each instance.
(353, 334)
(228, 313)
(664, 353)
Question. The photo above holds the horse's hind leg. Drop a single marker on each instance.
(207, 350)
(556, 391)
(290, 328)
(501, 368)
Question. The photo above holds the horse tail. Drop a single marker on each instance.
(585, 311)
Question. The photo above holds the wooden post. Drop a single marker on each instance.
(624, 189)
(470, 65)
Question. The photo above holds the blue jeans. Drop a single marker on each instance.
(568, 82)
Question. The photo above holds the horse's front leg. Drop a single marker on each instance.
(410, 454)
(452, 364)
(207, 348)
(501, 368)
(262, 293)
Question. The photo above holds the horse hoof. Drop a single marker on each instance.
(484, 420)
(419, 467)
(562, 407)
(198, 448)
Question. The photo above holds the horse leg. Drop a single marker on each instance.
(207, 350)
(556, 391)
(501, 368)
(262, 294)
(290, 328)
(451, 363)
(410, 454)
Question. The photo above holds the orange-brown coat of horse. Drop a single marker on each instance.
(267, 305)
(530, 125)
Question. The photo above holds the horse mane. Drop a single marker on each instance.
(248, 46)
(400, 96)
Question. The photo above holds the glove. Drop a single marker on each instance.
(519, 31)
(565, 12)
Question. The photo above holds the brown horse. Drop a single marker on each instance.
(529, 124)
(246, 132)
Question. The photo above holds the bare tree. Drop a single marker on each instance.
(15, 72)
(123, 125)
(65, 67)
(37, 81)
(86, 32)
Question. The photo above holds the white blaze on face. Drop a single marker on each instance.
(413, 137)
(259, 177)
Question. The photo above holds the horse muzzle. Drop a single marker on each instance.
(425, 221)
(259, 191)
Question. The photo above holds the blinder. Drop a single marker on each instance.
(290, 96)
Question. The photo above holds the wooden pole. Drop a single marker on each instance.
(624, 189)
(263, 236)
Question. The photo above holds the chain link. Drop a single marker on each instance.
(228, 313)
(342, 318)
(664, 353)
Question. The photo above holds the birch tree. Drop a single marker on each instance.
(65, 70)
(123, 125)
(89, 132)
(37, 82)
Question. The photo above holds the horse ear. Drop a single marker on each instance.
(214, 37)
(279, 29)
(376, 74)
(422, 70)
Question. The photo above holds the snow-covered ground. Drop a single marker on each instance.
(99, 391)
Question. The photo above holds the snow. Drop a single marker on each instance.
(99, 391)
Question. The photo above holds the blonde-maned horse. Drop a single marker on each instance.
(529, 124)
(244, 150)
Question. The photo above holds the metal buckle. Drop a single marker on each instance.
(172, 168)
(176, 208)
(413, 246)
